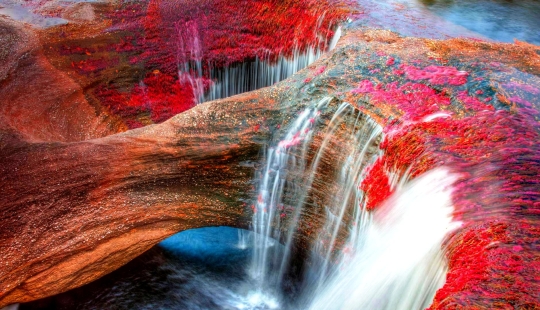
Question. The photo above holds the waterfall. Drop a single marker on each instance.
(243, 239)
(262, 72)
(335, 39)
(397, 261)
(269, 206)
(287, 163)
(189, 57)
(391, 257)
(252, 75)
(237, 78)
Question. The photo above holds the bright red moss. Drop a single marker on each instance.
(160, 95)
(317, 72)
(528, 88)
(376, 185)
(163, 95)
(493, 258)
(416, 160)
(437, 75)
(366, 86)
(231, 31)
(419, 100)
(170, 35)
(473, 103)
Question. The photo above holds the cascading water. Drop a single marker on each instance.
(189, 58)
(263, 72)
(309, 187)
(247, 76)
(241, 77)
(270, 207)
(392, 257)
(396, 262)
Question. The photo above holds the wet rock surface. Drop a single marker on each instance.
(73, 212)
(40, 102)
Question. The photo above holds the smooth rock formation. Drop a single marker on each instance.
(40, 102)
(72, 212)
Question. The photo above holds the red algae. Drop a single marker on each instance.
(419, 99)
(492, 262)
(189, 36)
(485, 257)
(163, 95)
(231, 31)
(437, 75)
(317, 72)
(376, 185)
(216, 33)
(159, 95)
(472, 103)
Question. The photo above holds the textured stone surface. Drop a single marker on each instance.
(37, 100)
(71, 212)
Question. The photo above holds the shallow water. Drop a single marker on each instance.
(496, 20)
(207, 268)
(16, 11)
(195, 269)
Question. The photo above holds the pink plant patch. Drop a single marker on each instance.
(437, 75)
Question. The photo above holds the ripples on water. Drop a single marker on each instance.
(499, 20)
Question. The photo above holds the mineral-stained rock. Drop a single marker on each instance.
(40, 102)
(71, 212)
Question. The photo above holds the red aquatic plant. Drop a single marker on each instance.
(197, 36)
(376, 185)
(159, 95)
(438, 75)
(492, 259)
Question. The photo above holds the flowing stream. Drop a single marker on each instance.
(392, 258)
(242, 77)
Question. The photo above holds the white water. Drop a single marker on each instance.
(392, 258)
(397, 261)
(247, 76)
(241, 77)
(269, 206)
(243, 239)
(189, 58)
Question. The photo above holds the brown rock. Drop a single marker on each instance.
(40, 102)
(72, 212)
